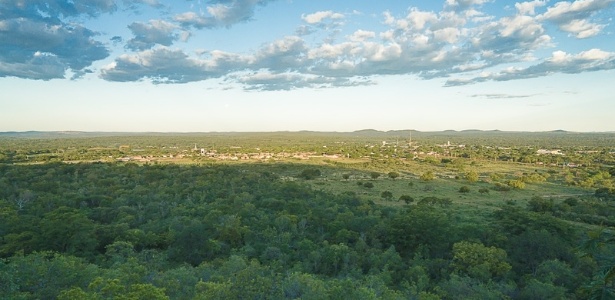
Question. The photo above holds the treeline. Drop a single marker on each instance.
(123, 231)
(579, 149)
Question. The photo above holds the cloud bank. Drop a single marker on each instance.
(461, 43)
(221, 13)
(37, 41)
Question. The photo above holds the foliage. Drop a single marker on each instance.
(406, 198)
(421, 228)
(533, 178)
(501, 187)
(605, 193)
(387, 195)
(539, 204)
(168, 231)
(517, 184)
(495, 177)
(393, 175)
(599, 246)
(428, 176)
(464, 189)
(471, 176)
(309, 174)
(433, 201)
(477, 261)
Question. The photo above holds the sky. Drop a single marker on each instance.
(291, 65)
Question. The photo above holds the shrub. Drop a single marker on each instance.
(571, 201)
(471, 176)
(428, 176)
(539, 204)
(393, 175)
(495, 176)
(406, 199)
(533, 178)
(433, 201)
(604, 193)
(517, 184)
(501, 187)
(464, 189)
(309, 174)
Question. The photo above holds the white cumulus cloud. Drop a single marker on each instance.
(529, 8)
(321, 16)
(151, 33)
(575, 17)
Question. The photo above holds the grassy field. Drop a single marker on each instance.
(449, 178)
(447, 183)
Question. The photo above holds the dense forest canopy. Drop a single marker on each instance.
(374, 227)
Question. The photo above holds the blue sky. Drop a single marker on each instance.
(267, 65)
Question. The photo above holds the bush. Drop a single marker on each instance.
(368, 185)
(309, 174)
(387, 195)
(374, 175)
(471, 176)
(464, 189)
(604, 193)
(501, 187)
(539, 204)
(483, 190)
(433, 201)
(534, 178)
(517, 184)
(406, 199)
(393, 175)
(496, 176)
(571, 201)
(428, 176)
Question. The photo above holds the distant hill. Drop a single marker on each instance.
(58, 134)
